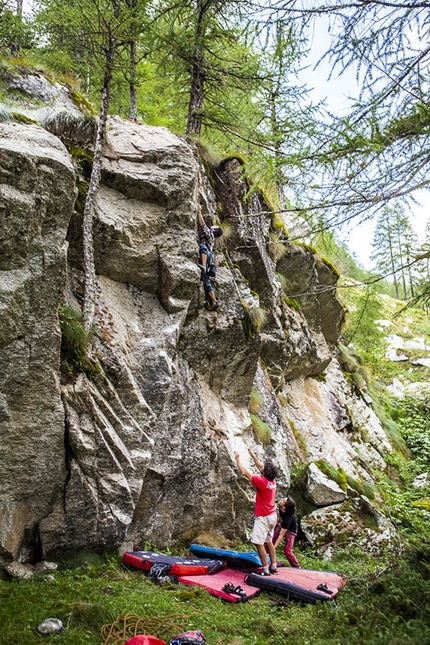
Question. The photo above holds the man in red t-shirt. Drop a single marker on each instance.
(265, 509)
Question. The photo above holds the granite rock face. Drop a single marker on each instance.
(321, 490)
(144, 450)
(37, 193)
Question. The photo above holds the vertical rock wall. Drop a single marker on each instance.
(144, 450)
(37, 192)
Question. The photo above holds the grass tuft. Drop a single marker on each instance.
(261, 430)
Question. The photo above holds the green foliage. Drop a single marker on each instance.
(255, 401)
(382, 410)
(292, 302)
(363, 488)
(253, 319)
(9, 115)
(413, 418)
(299, 437)
(82, 102)
(347, 359)
(261, 430)
(339, 476)
(16, 32)
(394, 247)
(75, 343)
(339, 256)
(343, 480)
(360, 327)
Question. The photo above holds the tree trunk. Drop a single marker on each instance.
(194, 119)
(402, 271)
(15, 46)
(281, 196)
(197, 81)
(411, 280)
(133, 97)
(393, 267)
(133, 65)
(88, 249)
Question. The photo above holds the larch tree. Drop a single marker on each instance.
(384, 247)
(16, 32)
(381, 151)
(286, 122)
(395, 247)
(105, 28)
(202, 43)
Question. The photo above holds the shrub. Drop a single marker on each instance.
(75, 344)
(339, 476)
(261, 430)
(254, 318)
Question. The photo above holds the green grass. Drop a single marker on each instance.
(373, 608)
(261, 430)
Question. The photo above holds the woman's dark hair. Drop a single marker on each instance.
(217, 231)
(270, 471)
(290, 506)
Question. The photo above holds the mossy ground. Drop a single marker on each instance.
(371, 609)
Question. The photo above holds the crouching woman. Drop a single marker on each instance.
(287, 529)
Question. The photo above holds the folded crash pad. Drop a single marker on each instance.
(145, 639)
(235, 559)
(192, 566)
(215, 582)
(299, 584)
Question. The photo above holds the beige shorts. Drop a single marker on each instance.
(263, 528)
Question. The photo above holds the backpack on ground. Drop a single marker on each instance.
(189, 638)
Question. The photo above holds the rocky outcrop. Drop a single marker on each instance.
(320, 489)
(143, 451)
(37, 193)
(356, 522)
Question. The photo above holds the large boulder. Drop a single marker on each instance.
(320, 490)
(37, 196)
(353, 522)
(143, 451)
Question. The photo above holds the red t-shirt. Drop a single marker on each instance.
(265, 499)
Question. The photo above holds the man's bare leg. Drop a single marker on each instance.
(272, 553)
(263, 555)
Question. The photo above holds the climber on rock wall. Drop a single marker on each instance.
(207, 237)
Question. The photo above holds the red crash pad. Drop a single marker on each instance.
(145, 639)
(215, 582)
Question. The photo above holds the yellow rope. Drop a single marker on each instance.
(125, 627)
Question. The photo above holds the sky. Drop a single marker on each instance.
(336, 92)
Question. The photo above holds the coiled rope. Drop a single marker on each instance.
(125, 627)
